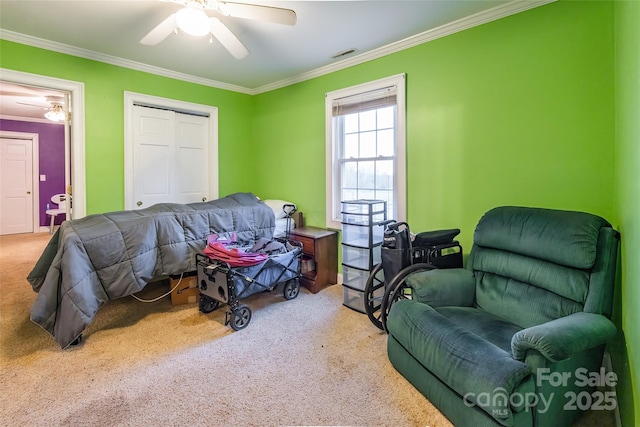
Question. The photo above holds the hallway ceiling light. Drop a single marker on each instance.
(56, 114)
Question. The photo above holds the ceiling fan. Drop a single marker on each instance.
(55, 110)
(192, 19)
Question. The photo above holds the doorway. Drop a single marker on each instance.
(192, 116)
(169, 157)
(19, 205)
(75, 135)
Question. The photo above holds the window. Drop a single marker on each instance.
(366, 146)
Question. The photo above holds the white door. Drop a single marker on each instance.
(170, 151)
(192, 154)
(154, 151)
(16, 186)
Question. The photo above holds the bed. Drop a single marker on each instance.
(93, 260)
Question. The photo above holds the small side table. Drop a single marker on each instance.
(322, 245)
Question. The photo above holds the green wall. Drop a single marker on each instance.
(524, 110)
(627, 201)
(518, 111)
(104, 117)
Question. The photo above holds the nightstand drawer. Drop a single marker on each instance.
(308, 244)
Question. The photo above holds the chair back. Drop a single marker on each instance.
(533, 265)
(60, 200)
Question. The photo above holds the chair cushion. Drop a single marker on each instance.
(487, 326)
(526, 291)
(467, 363)
(566, 282)
(520, 303)
(533, 265)
(563, 237)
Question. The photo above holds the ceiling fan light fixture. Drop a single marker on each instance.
(193, 21)
(57, 114)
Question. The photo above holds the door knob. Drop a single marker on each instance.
(28, 192)
(139, 203)
(204, 199)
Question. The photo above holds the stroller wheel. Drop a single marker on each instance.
(373, 294)
(291, 289)
(77, 341)
(207, 304)
(240, 317)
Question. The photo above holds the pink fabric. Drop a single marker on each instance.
(234, 257)
(227, 238)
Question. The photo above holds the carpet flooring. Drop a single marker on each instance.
(308, 361)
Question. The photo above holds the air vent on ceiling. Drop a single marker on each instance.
(344, 53)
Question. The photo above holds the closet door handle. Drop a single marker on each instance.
(204, 199)
(139, 203)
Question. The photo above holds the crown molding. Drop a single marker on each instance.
(453, 27)
(475, 20)
(114, 60)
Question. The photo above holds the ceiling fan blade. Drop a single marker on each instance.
(12, 89)
(228, 39)
(34, 105)
(160, 32)
(12, 93)
(256, 12)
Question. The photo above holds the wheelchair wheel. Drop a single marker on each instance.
(373, 294)
(398, 290)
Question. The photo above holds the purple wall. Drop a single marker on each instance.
(51, 145)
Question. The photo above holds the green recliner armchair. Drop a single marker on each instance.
(516, 336)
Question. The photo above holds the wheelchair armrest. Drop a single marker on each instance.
(564, 337)
(443, 287)
(436, 237)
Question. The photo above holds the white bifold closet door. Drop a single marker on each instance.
(170, 157)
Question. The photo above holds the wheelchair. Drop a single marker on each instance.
(402, 254)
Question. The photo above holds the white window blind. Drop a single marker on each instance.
(372, 100)
(366, 146)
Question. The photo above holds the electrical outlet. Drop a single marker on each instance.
(43, 177)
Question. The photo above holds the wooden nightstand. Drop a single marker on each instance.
(322, 246)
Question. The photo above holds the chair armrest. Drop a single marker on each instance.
(561, 338)
(443, 287)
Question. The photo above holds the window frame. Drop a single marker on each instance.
(333, 192)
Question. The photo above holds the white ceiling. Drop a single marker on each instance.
(110, 30)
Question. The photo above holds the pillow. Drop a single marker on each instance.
(276, 206)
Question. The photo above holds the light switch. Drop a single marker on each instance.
(43, 177)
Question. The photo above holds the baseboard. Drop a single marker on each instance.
(606, 364)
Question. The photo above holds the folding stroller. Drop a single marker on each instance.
(226, 275)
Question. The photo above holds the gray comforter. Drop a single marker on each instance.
(92, 260)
